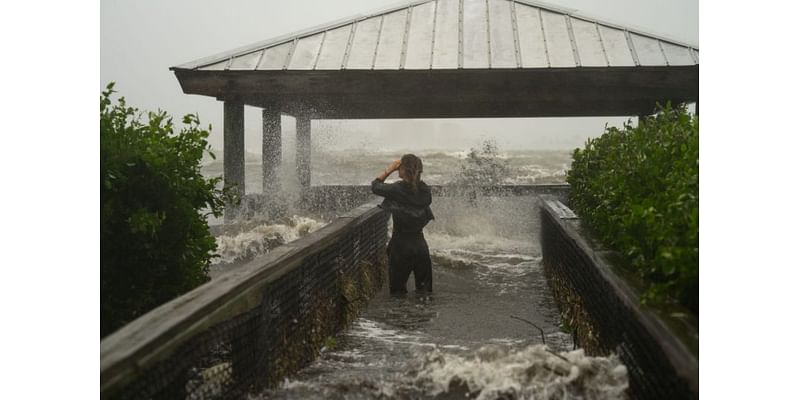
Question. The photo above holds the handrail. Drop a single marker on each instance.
(678, 354)
(157, 334)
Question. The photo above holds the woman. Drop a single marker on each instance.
(409, 202)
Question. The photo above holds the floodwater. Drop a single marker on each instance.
(461, 341)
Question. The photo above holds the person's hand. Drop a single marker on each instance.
(394, 166)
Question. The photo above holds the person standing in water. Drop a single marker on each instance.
(409, 201)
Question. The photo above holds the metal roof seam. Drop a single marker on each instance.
(572, 42)
(515, 31)
(460, 34)
(290, 54)
(283, 40)
(632, 48)
(577, 15)
(260, 57)
(377, 43)
(544, 37)
(433, 33)
(488, 35)
(602, 44)
(348, 47)
(319, 51)
(691, 53)
(289, 37)
(663, 54)
(404, 47)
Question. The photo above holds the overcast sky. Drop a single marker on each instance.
(140, 40)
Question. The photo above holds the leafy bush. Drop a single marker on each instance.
(154, 241)
(637, 190)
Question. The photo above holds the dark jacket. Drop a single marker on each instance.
(410, 211)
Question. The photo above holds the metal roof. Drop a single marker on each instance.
(454, 59)
(457, 34)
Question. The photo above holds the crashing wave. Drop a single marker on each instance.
(495, 371)
(261, 238)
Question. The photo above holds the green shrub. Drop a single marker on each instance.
(637, 190)
(154, 240)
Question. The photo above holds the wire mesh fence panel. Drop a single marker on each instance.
(262, 337)
(596, 305)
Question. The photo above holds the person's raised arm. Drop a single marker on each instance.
(380, 188)
(394, 166)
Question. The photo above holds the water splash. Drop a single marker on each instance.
(261, 238)
(496, 371)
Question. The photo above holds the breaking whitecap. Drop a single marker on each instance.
(261, 238)
(534, 372)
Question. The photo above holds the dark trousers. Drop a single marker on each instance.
(409, 252)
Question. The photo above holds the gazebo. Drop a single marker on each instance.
(439, 59)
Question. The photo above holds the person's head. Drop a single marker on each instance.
(411, 170)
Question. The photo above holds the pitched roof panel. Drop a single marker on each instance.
(501, 35)
(365, 39)
(475, 52)
(532, 47)
(557, 38)
(616, 47)
(390, 46)
(454, 34)
(446, 35)
(331, 55)
(590, 47)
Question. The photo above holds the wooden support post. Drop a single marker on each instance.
(233, 131)
(304, 150)
(271, 151)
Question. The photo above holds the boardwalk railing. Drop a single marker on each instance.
(250, 327)
(602, 308)
(344, 197)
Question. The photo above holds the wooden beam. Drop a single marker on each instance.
(587, 91)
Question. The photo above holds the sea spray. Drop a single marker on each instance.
(483, 166)
(261, 238)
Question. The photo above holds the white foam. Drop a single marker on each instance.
(261, 238)
(493, 252)
(372, 330)
(476, 242)
(533, 372)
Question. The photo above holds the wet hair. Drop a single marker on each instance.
(412, 165)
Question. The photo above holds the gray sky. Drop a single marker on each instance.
(140, 40)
